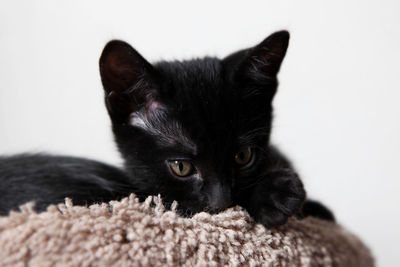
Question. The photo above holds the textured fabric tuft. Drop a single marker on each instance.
(130, 233)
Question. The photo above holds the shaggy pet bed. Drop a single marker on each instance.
(127, 232)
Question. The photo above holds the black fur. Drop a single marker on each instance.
(202, 111)
(49, 179)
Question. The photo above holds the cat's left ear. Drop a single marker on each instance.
(261, 63)
(128, 80)
(121, 66)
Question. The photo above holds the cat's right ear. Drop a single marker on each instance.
(260, 64)
(126, 78)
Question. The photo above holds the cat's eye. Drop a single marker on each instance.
(244, 157)
(181, 168)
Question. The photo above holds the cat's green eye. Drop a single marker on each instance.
(244, 156)
(181, 168)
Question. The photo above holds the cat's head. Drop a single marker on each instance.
(192, 130)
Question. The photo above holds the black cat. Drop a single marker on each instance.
(194, 131)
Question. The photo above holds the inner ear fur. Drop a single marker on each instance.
(127, 79)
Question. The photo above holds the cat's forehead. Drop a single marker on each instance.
(195, 88)
(193, 104)
(205, 73)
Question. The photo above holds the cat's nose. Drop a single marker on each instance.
(220, 198)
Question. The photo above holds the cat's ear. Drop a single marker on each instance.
(127, 79)
(261, 63)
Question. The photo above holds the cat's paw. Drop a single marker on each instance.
(279, 196)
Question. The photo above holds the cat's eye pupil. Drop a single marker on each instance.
(181, 166)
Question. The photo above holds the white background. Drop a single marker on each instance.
(337, 109)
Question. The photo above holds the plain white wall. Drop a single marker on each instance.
(337, 109)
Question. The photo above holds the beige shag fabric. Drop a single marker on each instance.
(129, 233)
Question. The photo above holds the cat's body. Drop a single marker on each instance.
(48, 179)
(195, 131)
